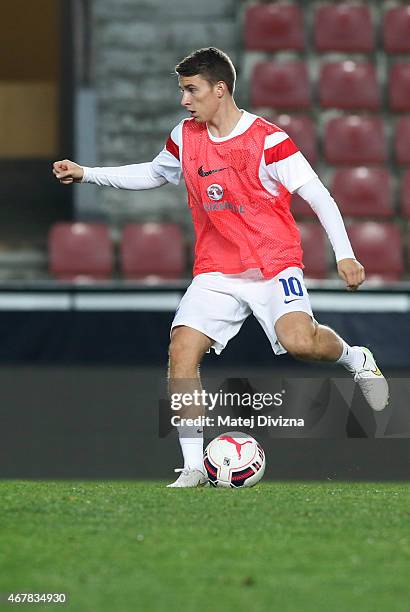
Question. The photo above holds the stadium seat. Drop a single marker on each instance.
(399, 87)
(405, 194)
(349, 85)
(273, 27)
(343, 27)
(302, 131)
(300, 209)
(153, 250)
(363, 192)
(313, 239)
(80, 251)
(402, 140)
(378, 247)
(396, 30)
(280, 85)
(408, 252)
(355, 140)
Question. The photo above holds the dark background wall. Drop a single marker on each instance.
(80, 395)
(103, 423)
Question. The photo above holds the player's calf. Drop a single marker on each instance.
(301, 347)
(305, 339)
(308, 343)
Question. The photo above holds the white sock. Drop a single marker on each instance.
(191, 440)
(351, 358)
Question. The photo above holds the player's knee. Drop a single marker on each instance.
(301, 345)
(181, 352)
(178, 349)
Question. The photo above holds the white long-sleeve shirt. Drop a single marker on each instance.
(294, 172)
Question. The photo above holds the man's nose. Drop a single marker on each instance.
(185, 99)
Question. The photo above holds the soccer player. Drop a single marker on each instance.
(240, 171)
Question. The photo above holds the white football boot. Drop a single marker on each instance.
(189, 478)
(372, 382)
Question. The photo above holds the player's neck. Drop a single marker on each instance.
(224, 121)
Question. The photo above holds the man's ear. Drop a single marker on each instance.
(220, 89)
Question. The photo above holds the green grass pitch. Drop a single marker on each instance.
(137, 546)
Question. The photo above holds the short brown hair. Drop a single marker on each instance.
(212, 64)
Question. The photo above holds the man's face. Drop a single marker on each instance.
(199, 97)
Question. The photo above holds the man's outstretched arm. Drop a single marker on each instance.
(164, 168)
(134, 177)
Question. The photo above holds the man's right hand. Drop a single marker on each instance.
(68, 172)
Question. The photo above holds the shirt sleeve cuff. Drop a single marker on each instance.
(86, 175)
(345, 255)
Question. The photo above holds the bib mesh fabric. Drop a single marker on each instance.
(238, 223)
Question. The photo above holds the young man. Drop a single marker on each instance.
(240, 171)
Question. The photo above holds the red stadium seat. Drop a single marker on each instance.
(363, 192)
(80, 251)
(349, 85)
(396, 30)
(378, 247)
(302, 131)
(273, 27)
(399, 87)
(355, 140)
(343, 27)
(152, 250)
(408, 252)
(402, 140)
(280, 85)
(313, 240)
(405, 194)
(300, 208)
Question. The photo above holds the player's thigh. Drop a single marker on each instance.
(285, 294)
(294, 322)
(211, 307)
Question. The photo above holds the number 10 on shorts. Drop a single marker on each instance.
(291, 286)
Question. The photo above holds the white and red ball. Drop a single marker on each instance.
(234, 459)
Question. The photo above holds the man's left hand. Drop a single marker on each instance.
(352, 272)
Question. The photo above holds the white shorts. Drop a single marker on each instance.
(217, 304)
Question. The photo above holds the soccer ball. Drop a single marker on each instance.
(234, 459)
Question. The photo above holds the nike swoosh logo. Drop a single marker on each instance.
(203, 172)
(294, 300)
(376, 372)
